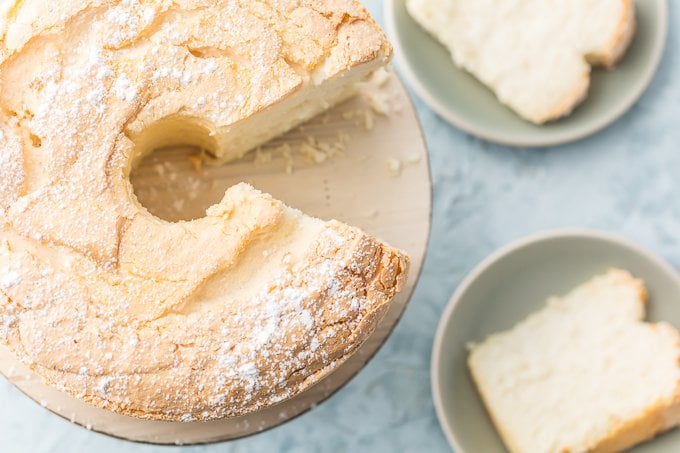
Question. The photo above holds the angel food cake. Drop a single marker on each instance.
(212, 318)
(583, 374)
(535, 55)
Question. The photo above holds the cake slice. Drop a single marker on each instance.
(583, 374)
(536, 55)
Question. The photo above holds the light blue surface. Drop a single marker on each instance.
(625, 179)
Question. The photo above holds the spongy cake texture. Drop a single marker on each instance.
(536, 55)
(198, 320)
(584, 374)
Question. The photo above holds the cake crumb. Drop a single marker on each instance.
(394, 166)
(413, 159)
(196, 161)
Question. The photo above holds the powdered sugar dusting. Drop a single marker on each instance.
(103, 385)
(8, 319)
(120, 16)
(9, 279)
(210, 67)
(123, 89)
(96, 97)
(11, 164)
(104, 72)
(306, 319)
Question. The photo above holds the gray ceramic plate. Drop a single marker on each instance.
(466, 103)
(510, 285)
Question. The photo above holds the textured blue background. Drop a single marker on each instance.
(625, 179)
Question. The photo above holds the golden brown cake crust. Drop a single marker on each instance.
(150, 318)
(657, 419)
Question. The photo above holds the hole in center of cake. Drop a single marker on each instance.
(169, 173)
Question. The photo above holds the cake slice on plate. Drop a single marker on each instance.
(584, 374)
(536, 55)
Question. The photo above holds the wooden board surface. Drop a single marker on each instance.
(352, 164)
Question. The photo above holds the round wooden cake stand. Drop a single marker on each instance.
(368, 170)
